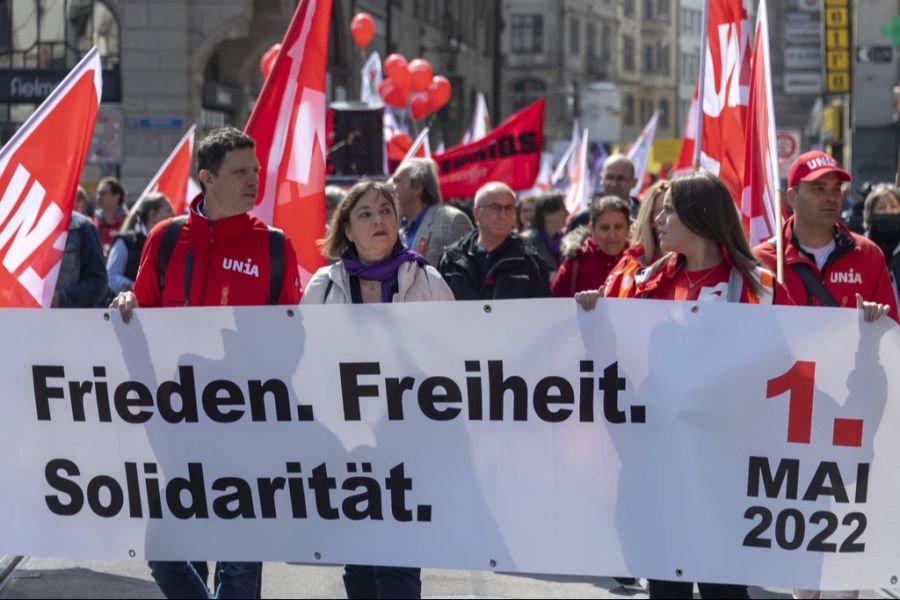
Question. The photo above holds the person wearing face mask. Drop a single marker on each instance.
(825, 264)
(881, 217)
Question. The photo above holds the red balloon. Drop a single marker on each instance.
(396, 68)
(363, 28)
(420, 74)
(439, 91)
(419, 106)
(392, 94)
(268, 59)
(398, 145)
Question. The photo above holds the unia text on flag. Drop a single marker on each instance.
(639, 153)
(761, 179)
(173, 178)
(39, 171)
(724, 92)
(578, 192)
(288, 124)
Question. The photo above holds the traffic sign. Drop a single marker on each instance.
(874, 54)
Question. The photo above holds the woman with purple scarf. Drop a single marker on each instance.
(372, 265)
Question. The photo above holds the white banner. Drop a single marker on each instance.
(715, 442)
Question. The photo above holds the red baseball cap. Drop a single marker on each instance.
(809, 166)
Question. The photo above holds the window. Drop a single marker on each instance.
(526, 91)
(591, 40)
(664, 113)
(662, 10)
(606, 43)
(648, 9)
(628, 115)
(574, 36)
(648, 59)
(689, 67)
(527, 34)
(628, 6)
(628, 53)
(55, 34)
(663, 61)
(691, 21)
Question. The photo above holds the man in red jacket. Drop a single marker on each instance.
(825, 264)
(220, 255)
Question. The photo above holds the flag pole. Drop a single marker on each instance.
(701, 83)
(779, 238)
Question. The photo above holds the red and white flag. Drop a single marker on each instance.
(639, 153)
(761, 166)
(685, 162)
(481, 122)
(420, 147)
(39, 171)
(723, 94)
(288, 124)
(579, 190)
(173, 178)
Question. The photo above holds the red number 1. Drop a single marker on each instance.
(800, 382)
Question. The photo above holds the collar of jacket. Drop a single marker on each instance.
(228, 227)
(650, 278)
(793, 253)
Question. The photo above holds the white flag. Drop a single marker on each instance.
(639, 153)
(371, 77)
(481, 121)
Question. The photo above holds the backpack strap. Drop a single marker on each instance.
(276, 264)
(170, 236)
(814, 285)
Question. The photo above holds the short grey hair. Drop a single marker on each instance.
(424, 171)
(493, 187)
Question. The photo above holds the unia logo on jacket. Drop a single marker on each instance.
(850, 276)
(246, 267)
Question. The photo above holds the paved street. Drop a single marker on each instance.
(62, 578)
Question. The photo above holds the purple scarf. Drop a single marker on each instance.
(382, 271)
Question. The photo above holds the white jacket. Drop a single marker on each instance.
(417, 283)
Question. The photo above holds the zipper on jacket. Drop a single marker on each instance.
(188, 275)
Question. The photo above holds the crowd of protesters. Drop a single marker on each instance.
(399, 241)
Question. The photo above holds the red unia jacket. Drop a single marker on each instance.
(230, 264)
(856, 266)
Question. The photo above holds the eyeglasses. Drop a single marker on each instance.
(498, 209)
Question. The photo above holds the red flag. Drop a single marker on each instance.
(288, 124)
(510, 153)
(685, 162)
(725, 92)
(761, 167)
(172, 178)
(39, 171)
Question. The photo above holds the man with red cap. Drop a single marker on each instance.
(825, 264)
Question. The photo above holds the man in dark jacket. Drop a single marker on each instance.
(491, 263)
(82, 273)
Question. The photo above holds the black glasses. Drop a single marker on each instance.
(498, 209)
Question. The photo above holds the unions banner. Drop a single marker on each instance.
(511, 153)
(673, 440)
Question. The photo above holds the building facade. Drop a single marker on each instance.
(171, 63)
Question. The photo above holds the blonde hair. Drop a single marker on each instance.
(642, 228)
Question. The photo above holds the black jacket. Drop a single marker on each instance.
(514, 271)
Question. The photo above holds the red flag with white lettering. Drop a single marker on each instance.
(288, 124)
(173, 178)
(39, 171)
(761, 168)
(725, 92)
